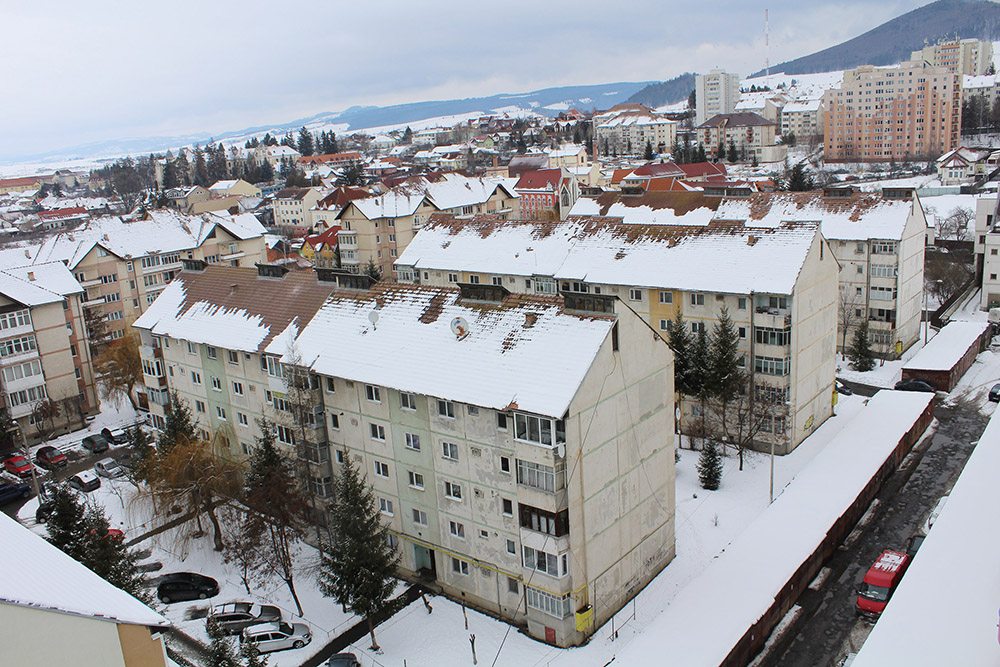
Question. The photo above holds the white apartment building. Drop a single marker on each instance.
(292, 208)
(970, 57)
(626, 128)
(988, 252)
(43, 348)
(778, 283)
(521, 451)
(716, 93)
(124, 264)
(805, 118)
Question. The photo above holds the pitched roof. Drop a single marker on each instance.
(297, 194)
(38, 284)
(656, 170)
(533, 353)
(651, 207)
(543, 179)
(37, 575)
(702, 169)
(443, 191)
(234, 308)
(743, 119)
(721, 257)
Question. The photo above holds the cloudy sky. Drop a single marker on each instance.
(80, 72)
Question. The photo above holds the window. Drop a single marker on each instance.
(772, 365)
(242, 418)
(483, 533)
(419, 517)
(538, 430)
(741, 303)
(407, 401)
(497, 280)
(17, 318)
(538, 476)
(216, 383)
(635, 294)
(25, 396)
(508, 506)
(377, 432)
(560, 607)
(666, 297)
(20, 371)
(446, 409)
(766, 336)
(474, 279)
(542, 521)
(449, 450)
(385, 506)
(330, 386)
(195, 377)
(453, 490)
(512, 585)
(501, 421)
(459, 566)
(285, 435)
(211, 351)
(416, 480)
(382, 469)
(220, 412)
(339, 456)
(373, 394)
(20, 345)
(547, 563)
(511, 547)
(457, 530)
(453, 277)
(334, 422)
(412, 441)
(473, 410)
(697, 299)
(199, 406)
(664, 325)
(234, 356)
(505, 464)
(238, 388)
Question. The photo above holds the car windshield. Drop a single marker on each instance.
(285, 628)
(874, 593)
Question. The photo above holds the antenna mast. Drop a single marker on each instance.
(767, 45)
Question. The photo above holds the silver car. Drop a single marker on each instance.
(277, 636)
(232, 617)
(109, 468)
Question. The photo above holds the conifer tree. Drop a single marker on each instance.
(358, 568)
(647, 154)
(860, 352)
(407, 136)
(306, 142)
(701, 155)
(700, 383)
(200, 168)
(709, 467)
(732, 154)
(178, 426)
(220, 652)
(679, 339)
(725, 376)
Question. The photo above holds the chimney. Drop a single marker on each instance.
(530, 319)
(232, 289)
(31, 275)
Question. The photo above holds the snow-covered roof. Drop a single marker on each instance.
(447, 191)
(507, 360)
(799, 106)
(757, 100)
(222, 185)
(164, 230)
(38, 284)
(761, 561)
(233, 308)
(945, 609)
(651, 208)
(859, 217)
(37, 575)
(947, 347)
(982, 81)
(608, 251)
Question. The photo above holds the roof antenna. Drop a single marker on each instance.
(767, 45)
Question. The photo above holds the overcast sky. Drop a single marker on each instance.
(79, 72)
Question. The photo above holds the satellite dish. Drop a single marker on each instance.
(460, 327)
(373, 317)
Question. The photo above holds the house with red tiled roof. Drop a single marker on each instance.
(547, 194)
(19, 184)
(330, 159)
(321, 249)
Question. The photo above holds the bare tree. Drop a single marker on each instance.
(956, 224)
(851, 309)
(43, 415)
(243, 545)
(119, 368)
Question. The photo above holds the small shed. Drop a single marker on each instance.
(946, 358)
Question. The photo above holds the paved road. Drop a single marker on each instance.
(828, 629)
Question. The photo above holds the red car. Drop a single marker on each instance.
(50, 457)
(18, 465)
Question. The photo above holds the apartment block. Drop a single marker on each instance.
(378, 228)
(806, 119)
(912, 111)
(124, 264)
(971, 57)
(753, 135)
(778, 284)
(716, 93)
(43, 349)
(987, 250)
(293, 209)
(521, 450)
(626, 128)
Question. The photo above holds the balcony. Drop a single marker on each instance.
(91, 283)
(96, 301)
(772, 318)
(232, 255)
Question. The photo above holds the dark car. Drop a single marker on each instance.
(19, 465)
(233, 617)
(343, 660)
(11, 492)
(913, 544)
(914, 385)
(96, 443)
(44, 511)
(119, 438)
(843, 388)
(180, 586)
(50, 457)
(995, 393)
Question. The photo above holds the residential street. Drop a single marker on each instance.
(828, 629)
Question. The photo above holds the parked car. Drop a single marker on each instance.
(117, 437)
(18, 465)
(935, 513)
(995, 393)
(180, 586)
(96, 443)
(50, 457)
(277, 636)
(112, 534)
(109, 468)
(913, 543)
(914, 385)
(843, 388)
(44, 511)
(10, 492)
(343, 660)
(233, 617)
(85, 481)
(880, 582)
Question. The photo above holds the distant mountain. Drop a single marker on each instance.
(546, 102)
(660, 93)
(893, 41)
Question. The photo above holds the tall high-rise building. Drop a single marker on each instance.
(912, 111)
(971, 57)
(716, 92)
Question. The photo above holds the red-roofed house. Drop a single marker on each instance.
(19, 184)
(331, 159)
(703, 171)
(321, 249)
(547, 194)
